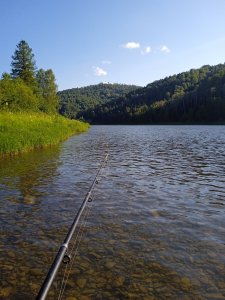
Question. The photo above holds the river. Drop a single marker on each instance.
(154, 230)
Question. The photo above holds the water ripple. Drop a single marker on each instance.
(157, 227)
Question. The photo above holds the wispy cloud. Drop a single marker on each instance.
(99, 71)
(146, 50)
(165, 49)
(131, 45)
(106, 62)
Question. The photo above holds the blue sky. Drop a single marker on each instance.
(119, 41)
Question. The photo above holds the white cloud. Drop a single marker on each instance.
(165, 49)
(99, 71)
(131, 45)
(106, 62)
(147, 50)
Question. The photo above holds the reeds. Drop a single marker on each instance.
(21, 132)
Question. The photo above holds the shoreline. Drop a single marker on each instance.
(24, 132)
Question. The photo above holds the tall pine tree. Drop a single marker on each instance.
(23, 64)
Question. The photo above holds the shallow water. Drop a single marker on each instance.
(156, 228)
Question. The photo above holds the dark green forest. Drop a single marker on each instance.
(196, 96)
(77, 101)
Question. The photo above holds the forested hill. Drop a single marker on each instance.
(196, 96)
(74, 102)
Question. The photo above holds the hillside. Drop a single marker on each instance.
(196, 96)
(74, 102)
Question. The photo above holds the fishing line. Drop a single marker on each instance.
(73, 252)
(63, 250)
(78, 236)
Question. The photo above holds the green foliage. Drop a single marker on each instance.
(23, 95)
(25, 89)
(15, 95)
(22, 131)
(23, 64)
(195, 96)
(48, 91)
(74, 102)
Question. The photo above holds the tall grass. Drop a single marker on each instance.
(21, 132)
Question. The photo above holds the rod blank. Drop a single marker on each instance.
(63, 248)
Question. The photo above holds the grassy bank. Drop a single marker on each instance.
(21, 132)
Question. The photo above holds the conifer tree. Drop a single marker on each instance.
(23, 64)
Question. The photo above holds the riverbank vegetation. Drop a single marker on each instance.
(196, 96)
(29, 106)
(25, 131)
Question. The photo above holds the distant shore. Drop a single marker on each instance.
(153, 124)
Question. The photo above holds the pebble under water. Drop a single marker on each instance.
(155, 228)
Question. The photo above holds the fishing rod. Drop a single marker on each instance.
(61, 255)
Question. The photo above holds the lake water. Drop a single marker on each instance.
(154, 230)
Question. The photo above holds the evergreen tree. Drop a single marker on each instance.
(23, 64)
(48, 90)
(6, 75)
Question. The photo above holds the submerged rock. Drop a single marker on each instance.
(6, 291)
(81, 282)
(154, 213)
(119, 281)
(110, 264)
(185, 283)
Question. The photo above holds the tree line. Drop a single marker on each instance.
(196, 96)
(76, 101)
(27, 88)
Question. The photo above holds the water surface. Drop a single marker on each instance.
(156, 228)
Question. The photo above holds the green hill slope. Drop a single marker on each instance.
(74, 102)
(196, 96)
